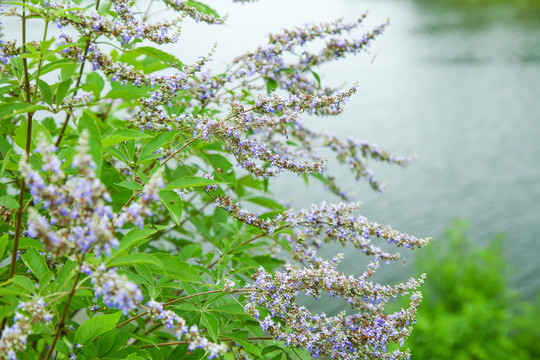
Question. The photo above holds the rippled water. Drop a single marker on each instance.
(459, 86)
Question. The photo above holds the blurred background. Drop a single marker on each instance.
(456, 83)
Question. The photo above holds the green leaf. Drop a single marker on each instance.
(5, 161)
(173, 265)
(130, 185)
(133, 238)
(158, 54)
(18, 66)
(266, 202)
(121, 135)
(35, 262)
(62, 347)
(318, 78)
(192, 181)
(125, 94)
(138, 258)
(271, 349)
(4, 240)
(105, 343)
(145, 272)
(66, 156)
(45, 91)
(53, 66)
(155, 143)
(37, 128)
(222, 265)
(271, 85)
(173, 203)
(205, 9)
(25, 243)
(7, 110)
(95, 326)
(65, 274)
(45, 279)
(232, 308)
(62, 91)
(9, 202)
(211, 324)
(5, 146)
(190, 251)
(95, 79)
(88, 121)
(144, 338)
(241, 337)
(67, 72)
(24, 283)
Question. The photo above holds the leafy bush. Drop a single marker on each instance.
(138, 221)
(468, 311)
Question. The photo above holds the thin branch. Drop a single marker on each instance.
(183, 298)
(236, 247)
(177, 151)
(172, 343)
(62, 322)
(242, 244)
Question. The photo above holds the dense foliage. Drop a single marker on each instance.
(138, 221)
(469, 311)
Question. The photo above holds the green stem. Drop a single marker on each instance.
(177, 151)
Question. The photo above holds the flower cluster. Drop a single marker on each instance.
(192, 335)
(337, 223)
(363, 334)
(355, 155)
(79, 215)
(248, 151)
(117, 291)
(245, 216)
(14, 337)
(269, 62)
(191, 11)
(126, 27)
(138, 211)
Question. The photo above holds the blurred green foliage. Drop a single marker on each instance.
(469, 311)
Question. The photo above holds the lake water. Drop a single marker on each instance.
(459, 86)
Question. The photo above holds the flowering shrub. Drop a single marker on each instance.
(137, 217)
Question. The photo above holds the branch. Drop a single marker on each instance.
(183, 298)
(62, 322)
(171, 343)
